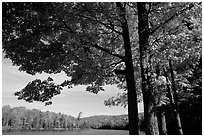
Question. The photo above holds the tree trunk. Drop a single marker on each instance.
(176, 105)
(146, 70)
(162, 120)
(132, 96)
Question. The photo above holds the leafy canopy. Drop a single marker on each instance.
(83, 40)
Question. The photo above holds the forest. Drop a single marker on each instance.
(25, 119)
(150, 50)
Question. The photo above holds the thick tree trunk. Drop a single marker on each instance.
(132, 101)
(176, 105)
(132, 96)
(146, 70)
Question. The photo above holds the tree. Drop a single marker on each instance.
(176, 105)
(29, 118)
(79, 116)
(85, 40)
(146, 69)
(36, 119)
(6, 115)
(167, 37)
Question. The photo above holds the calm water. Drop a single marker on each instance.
(70, 132)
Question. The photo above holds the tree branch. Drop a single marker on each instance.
(94, 45)
(108, 17)
(69, 82)
(96, 20)
(108, 51)
(113, 40)
(115, 63)
(170, 18)
(55, 12)
(65, 24)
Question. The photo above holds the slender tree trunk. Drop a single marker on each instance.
(145, 64)
(170, 95)
(132, 96)
(162, 120)
(176, 105)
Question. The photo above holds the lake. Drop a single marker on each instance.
(69, 132)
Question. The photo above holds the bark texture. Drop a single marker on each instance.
(146, 70)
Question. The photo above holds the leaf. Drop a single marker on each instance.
(38, 90)
(48, 103)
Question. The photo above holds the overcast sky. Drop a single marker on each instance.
(70, 101)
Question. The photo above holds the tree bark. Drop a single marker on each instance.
(132, 96)
(146, 70)
(176, 105)
(170, 95)
(162, 120)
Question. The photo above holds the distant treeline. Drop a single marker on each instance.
(22, 118)
(110, 122)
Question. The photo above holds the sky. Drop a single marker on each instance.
(70, 101)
